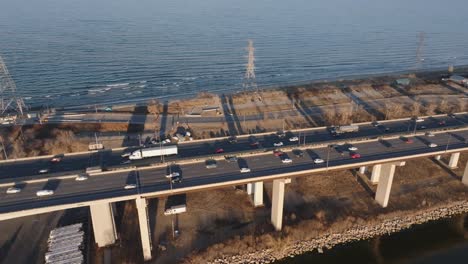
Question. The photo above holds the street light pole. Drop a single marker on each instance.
(3, 147)
(328, 155)
(448, 142)
(415, 126)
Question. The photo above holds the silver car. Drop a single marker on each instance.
(44, 192)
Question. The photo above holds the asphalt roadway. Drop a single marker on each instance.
(108, 159)
(152, 180)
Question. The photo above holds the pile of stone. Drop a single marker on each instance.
(361, 232)
(65, 245)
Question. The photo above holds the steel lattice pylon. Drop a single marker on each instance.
(250, 82)
(10, 104)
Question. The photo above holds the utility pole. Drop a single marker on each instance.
(328, 154)
(448, 141)
(3, 147)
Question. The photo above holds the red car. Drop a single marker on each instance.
(278, 153)
(355, 155)
(442, 123)
(408, 140)
(219, 150)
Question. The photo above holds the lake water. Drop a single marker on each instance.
(66, 52)
(438, 242)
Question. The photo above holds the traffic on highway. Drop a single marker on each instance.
(48, 167)
(176, 176)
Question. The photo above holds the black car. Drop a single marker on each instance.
(298, 153)
(231, 158)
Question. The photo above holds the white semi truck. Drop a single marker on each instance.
(153, 152)
(345, 129)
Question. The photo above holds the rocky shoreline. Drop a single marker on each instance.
(360, 232)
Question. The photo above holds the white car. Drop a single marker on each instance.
(352, 148)
(318, 161)
(173, 174)
(81, 177)
(286, 160)
(429, 134)
(13, 190)
(125, 154)
(44, 192)
(293, 139)
(433, 145)
(419, 119)
(42, 171)
(130, 186)
(243, 170)
(278, 144)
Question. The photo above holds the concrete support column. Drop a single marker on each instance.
(385, 184)
(438, 157)
(102, 217)
(258, 194)
(465, 175)
(143, 221)
(278, 202)
(362, 169)
(384, 187)
(453, 162)
(249, 188)
(376, 173)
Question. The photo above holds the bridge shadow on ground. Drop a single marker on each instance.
(136, 126)
(229, 115)
(366, 106)
(305, 110)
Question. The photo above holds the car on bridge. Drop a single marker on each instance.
(318, 161)
(286, 160)
(432, 145)
(278, 144)
(298, 153)
(44, 171)
(244, 170)
(219, 150)
(176, 179)
(230, 158)
(130, 186)
(44, 193)
(407, 140)
(57, 158)
(172, 174)
(211, 164)
(277, 152)
(352, 148)
(429, 134)
(81, 177)
(293, 139)
(355, 155)
(12, 190)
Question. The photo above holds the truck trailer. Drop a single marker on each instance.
(345, 129)
(153, 152)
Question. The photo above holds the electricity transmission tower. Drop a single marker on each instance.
(11, 106)
(249, 78)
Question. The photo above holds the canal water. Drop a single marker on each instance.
(443, 241)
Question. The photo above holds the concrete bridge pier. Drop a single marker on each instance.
(384, 186)
(376, 173)
(258, 194)
(438, 157)
(362, 169)
(453, 162)
(145, 230)
(249, 188)
(102, 217)
(465, 175)
(277, 203)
